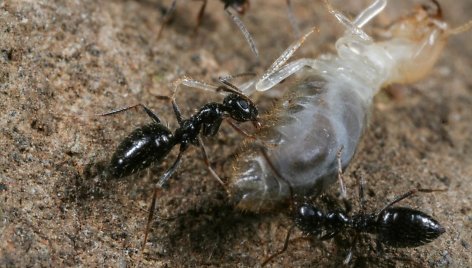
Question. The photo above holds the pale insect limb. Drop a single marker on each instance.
(369, 13)
(293, 20)
(189, 82)
(278, 63)
(283, 72)
(342, 187)
(458, 30)
(207, 162)
(243, 30)
(230, 77)
(351, 27)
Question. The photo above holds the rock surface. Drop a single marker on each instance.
(62, 62)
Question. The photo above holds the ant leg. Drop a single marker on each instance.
(167, 18)
(278, 71)
(160, 184)
(244, 31)
(340, 173)
(200, 15)
(207, 162)
(408, 194)
(348, 258)
(175, 107)
(284, 248)
(147, 110)
(150, 216)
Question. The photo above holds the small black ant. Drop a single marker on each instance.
(394, 226)
(240, 6)
(153, 142)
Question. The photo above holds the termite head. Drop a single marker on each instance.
(416, 42)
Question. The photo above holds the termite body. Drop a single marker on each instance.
(328, 108)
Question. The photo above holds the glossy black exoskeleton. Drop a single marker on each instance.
(394, 226)
(151, 143)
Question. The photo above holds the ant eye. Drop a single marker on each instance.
(243, 105)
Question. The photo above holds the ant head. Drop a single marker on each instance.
(309, 218)
(240, 108)
(239, 5)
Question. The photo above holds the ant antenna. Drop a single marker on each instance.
(406, 195)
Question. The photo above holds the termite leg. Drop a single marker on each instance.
(190, 82)
(342, 187)
(369, 13)
(278, 71)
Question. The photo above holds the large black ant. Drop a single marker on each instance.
(394, 226)
(153, 142)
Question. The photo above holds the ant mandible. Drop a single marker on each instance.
(153, 142)
(394, 226)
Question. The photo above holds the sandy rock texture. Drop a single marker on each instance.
(62, 62)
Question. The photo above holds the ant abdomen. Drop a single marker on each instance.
(406, 227)
(145, 145)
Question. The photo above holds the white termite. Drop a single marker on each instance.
(328, 108)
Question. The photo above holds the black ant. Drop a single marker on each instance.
(153, 142)
(240, 6)
(394, 226)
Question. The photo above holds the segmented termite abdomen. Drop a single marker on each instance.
(321, 115)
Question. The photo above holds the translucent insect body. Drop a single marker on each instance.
(328, 109)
